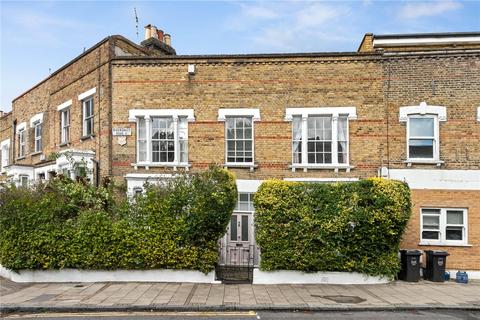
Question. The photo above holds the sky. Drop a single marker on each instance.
(38, 37)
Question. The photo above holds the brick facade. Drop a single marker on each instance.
(127, 76)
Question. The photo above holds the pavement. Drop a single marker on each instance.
(184, 297)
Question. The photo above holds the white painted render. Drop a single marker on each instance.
(242, 112)
(333, 111)
(248, 185)
(136, 181)
(324, 180)
(472, 274)
(87, 94)
(415, 41)
(299, 277)
(77, 275)
(436, 178)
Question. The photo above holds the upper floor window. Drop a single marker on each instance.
(65, 125)
(320, 136)
(87, 111)
(21, 135)
(162, 136)
(239, 135)
(239, 140)
(446, 226)
(38, 136)
(5, 151)
(423, 138)
(36, 124)
(87, 116)
(64, 110)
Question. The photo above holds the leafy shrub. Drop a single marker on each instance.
(332, 227)
(66, 224)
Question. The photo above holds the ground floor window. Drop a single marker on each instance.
(444, 226)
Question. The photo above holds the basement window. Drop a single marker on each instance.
(443, 226)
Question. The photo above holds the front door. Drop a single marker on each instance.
(239, 246)
(238, 254)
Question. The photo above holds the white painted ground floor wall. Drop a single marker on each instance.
(76, 275)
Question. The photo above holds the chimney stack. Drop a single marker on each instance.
(158, 41)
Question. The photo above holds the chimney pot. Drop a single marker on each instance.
(160, 35)
(148, 31)
(154, 32)
(167, 39)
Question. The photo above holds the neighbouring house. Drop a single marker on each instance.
(403, 107)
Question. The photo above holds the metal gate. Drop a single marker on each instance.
(236, 264)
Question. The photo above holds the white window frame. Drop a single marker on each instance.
(438, 113)
(254, 114)
(443, 227)
(37, 126)
(21, 143)
(147, 114)
(65, 125)
(334, 113)
(89, 101)
(22, 178)
(435, 138)
(5, 151)
(241, 213)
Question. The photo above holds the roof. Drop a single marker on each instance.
(427, 35)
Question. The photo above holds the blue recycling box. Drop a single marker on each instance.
(461, 277)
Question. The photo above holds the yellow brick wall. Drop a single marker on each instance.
(460, 257)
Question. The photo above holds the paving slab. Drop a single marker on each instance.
(65, 297)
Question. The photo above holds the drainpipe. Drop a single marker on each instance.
(97, 172)
(14, 125)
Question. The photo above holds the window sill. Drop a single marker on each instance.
(35, 153)
(409, 162)
(443, 244)
(148, 165)
(21, 158)
(250, 166)
(90, 136)
(336, 168)
(65, 144)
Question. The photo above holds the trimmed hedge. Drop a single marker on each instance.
(354, 227)
(66, 224)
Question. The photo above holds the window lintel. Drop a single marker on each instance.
(239, 112)
(64, 105)
(133, 114)
(423, 109)
(87, 94)
(351, 112)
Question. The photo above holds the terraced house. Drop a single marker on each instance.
(403, 107)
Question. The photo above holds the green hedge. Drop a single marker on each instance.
(66, 224)
(355, 227)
